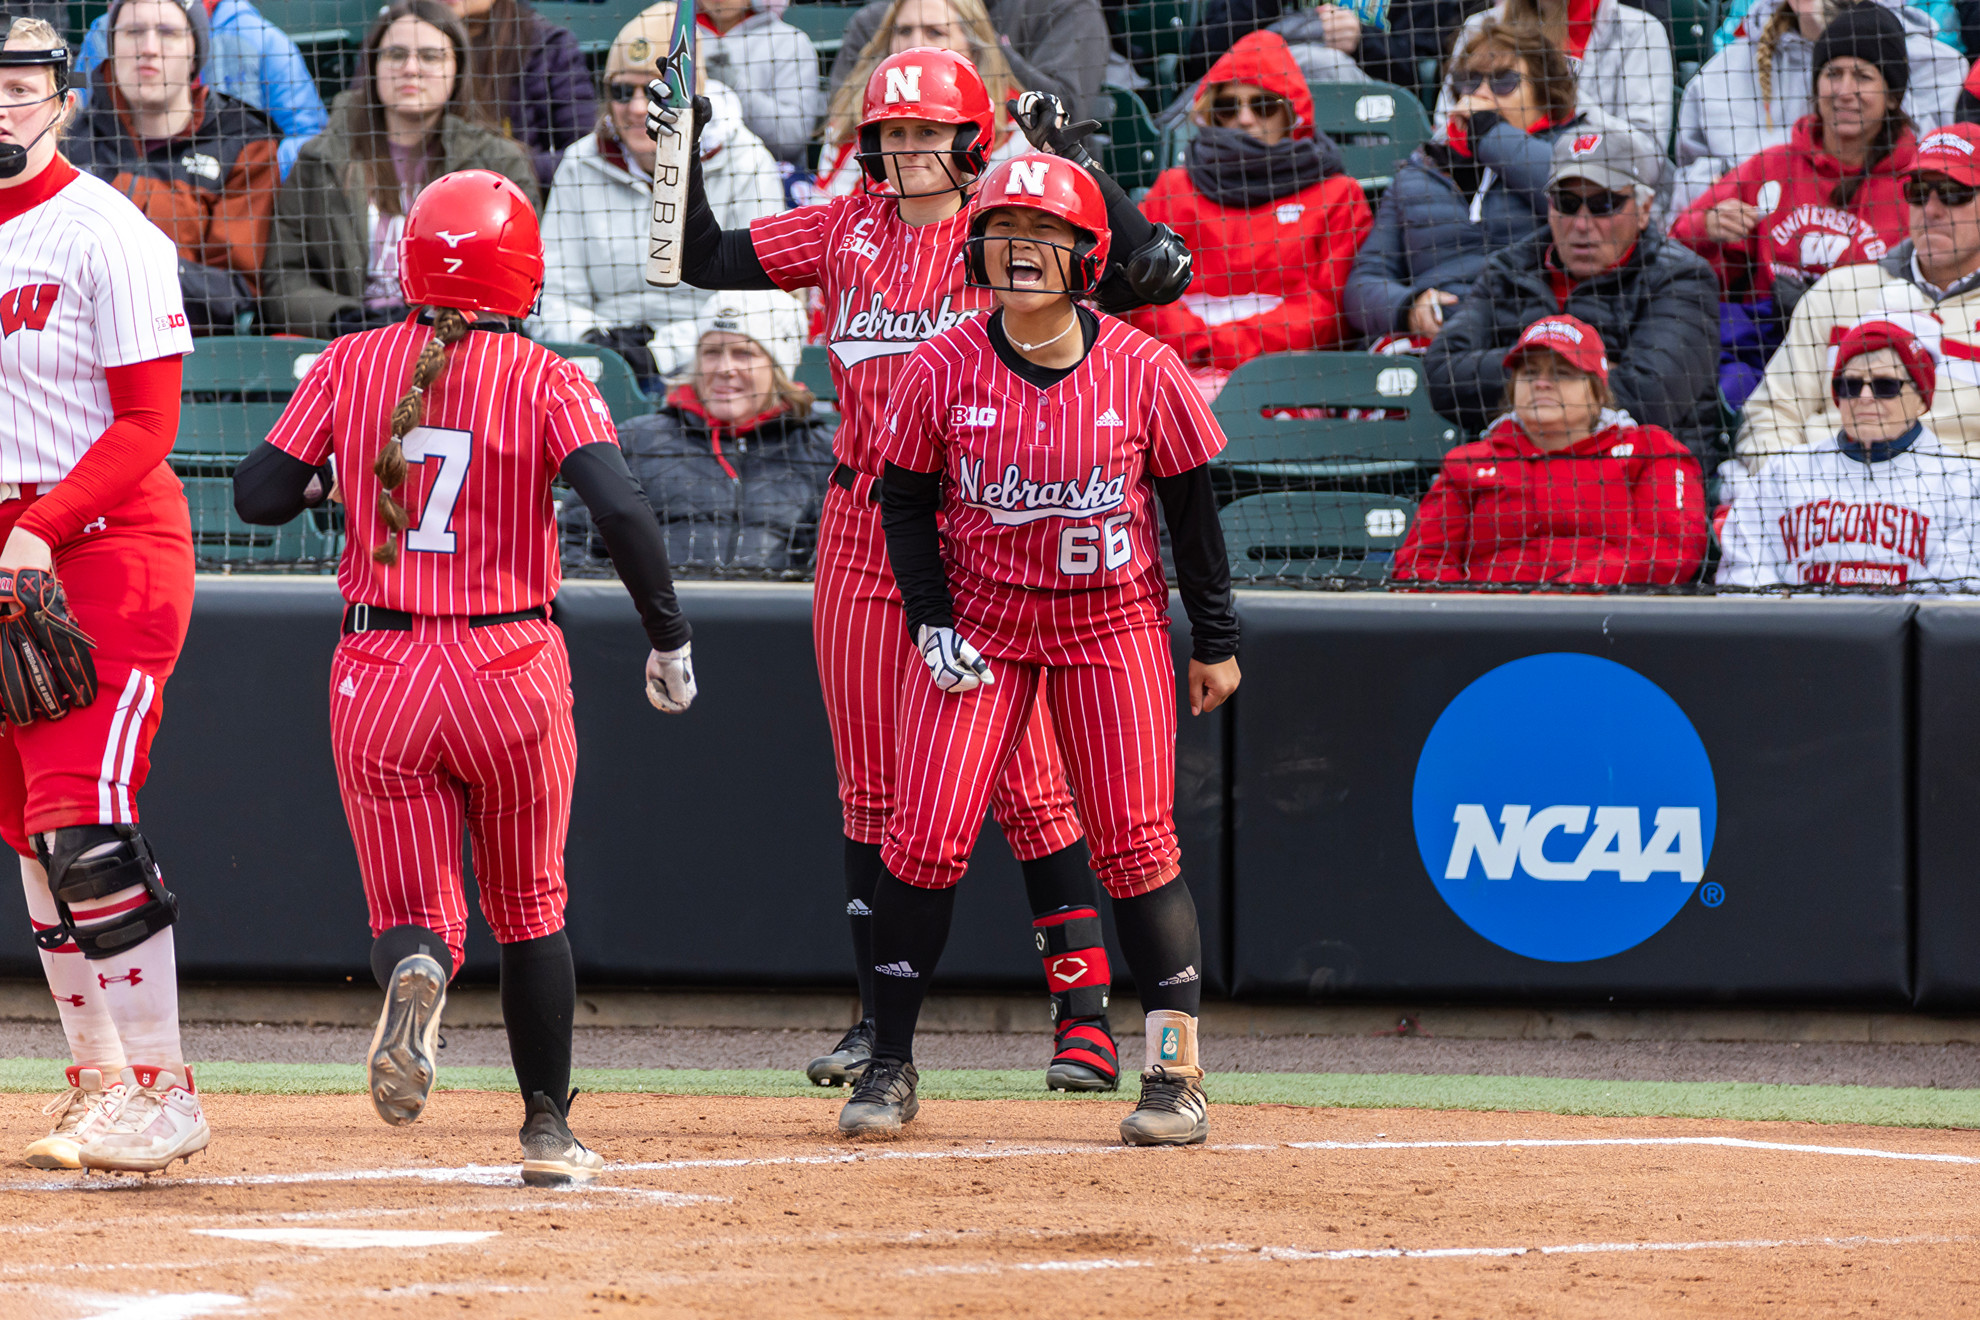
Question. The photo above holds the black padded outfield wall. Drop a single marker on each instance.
(704, 848)
(1948, 805)
(1557, 799)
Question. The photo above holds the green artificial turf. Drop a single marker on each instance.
(1890, 1106)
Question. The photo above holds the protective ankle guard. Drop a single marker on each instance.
(1075, 956)
(72, 878)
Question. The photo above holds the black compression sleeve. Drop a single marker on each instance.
(1203, 568)
(909, 503)
(270, 487)
(713, 257)
(1131, 231)
(619, 511)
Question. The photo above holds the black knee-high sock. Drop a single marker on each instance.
(910, 927)
(1162, 946)
(1060, 880)
(862, 871)
(539, 999)
(401, 942)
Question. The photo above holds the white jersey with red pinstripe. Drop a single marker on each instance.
(86, 282)
(1048, 511)
(500, 419)
(888, 286)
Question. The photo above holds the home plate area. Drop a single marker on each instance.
(307, 1206)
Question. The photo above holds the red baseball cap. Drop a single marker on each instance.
(1953, 151)
(1913, 352)
(1573, 338)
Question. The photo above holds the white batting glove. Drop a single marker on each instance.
(670, 679)
(952, 663)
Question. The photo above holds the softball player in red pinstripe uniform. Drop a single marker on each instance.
(888, 263)
(92, 331)
(450, 701)
(1037, 440)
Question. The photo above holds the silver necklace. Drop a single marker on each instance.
(1045, 343)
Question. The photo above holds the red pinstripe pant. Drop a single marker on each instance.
(446, 727)
(865, 660)
(129, 579)
(1115, 712)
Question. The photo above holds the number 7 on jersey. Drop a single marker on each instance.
(452, 450)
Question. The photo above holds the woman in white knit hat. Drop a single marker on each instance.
(735, 463)
(595, 227)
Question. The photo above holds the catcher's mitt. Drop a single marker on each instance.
(47, 663)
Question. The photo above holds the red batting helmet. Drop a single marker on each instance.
(1056, 186)
(938, 86)
(471, 242)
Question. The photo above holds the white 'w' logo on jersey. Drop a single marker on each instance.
(1014, 501)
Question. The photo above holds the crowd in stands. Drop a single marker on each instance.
(1704, 322)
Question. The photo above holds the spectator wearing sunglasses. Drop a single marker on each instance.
(1779, 221)
(1881, 502)
(1621, 56)
(1479, 186)
(601, 209)
(1654, 302)
(1934, 272)
(1271, 219)
(1563, 487)
(1750, 95)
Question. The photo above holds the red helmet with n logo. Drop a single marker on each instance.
(471, 242)
(938, 86)
(1056, 186)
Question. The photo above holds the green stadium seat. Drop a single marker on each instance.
(329, 34)
(247, 367)
(824, 24)
(216, 435)
(815, 373)
(612, 375)
(1330, 446)
(593, 24)
(1375, 124)
(1135, 151)
(1152, 28)
(1297, 536)
(219, 534)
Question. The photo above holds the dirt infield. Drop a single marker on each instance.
(718, 1208)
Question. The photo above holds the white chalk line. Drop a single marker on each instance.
(482, 1175)
(1232, 1252)
(1729, 1143)
(167, 1306)
(352, 1239)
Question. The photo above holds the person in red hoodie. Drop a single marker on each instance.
(1776, 223)
(1267, 212)
(1564, 488)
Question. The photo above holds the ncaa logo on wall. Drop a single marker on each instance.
(1565, 807)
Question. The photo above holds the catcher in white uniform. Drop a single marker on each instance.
(1884, 503)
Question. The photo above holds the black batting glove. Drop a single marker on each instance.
(1042, 118)
(661, 117)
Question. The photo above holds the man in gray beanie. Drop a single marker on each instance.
(1654, 302)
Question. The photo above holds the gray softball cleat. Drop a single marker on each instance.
(400, 1066)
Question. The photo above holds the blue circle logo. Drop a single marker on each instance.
(1565, 807)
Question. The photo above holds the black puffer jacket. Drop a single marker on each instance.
(1657, 313)
(726, 499)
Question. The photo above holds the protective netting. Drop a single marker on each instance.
(1696, 202)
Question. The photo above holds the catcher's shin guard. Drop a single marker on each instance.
(85, 862)
(1077, 975)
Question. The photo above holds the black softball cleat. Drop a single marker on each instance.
(883, 1100)
(848, 1059)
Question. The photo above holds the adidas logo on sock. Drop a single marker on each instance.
(896, 969)
(1184, 977)
(347, 688)
(1108, 418)
(858, 909)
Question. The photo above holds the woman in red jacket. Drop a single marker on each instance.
(1780, 220)
(1564, 488)
(1273, 222)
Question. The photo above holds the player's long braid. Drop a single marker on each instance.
(449, 326)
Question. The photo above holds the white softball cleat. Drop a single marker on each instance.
(156, 1120)
(78, 1117)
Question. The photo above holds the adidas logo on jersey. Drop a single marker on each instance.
(1108, 418)
(897, 969)
(858, 909)
(347, 688)
(1184, 977)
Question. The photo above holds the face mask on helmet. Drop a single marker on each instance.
(965, 162)
(1075, 264)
